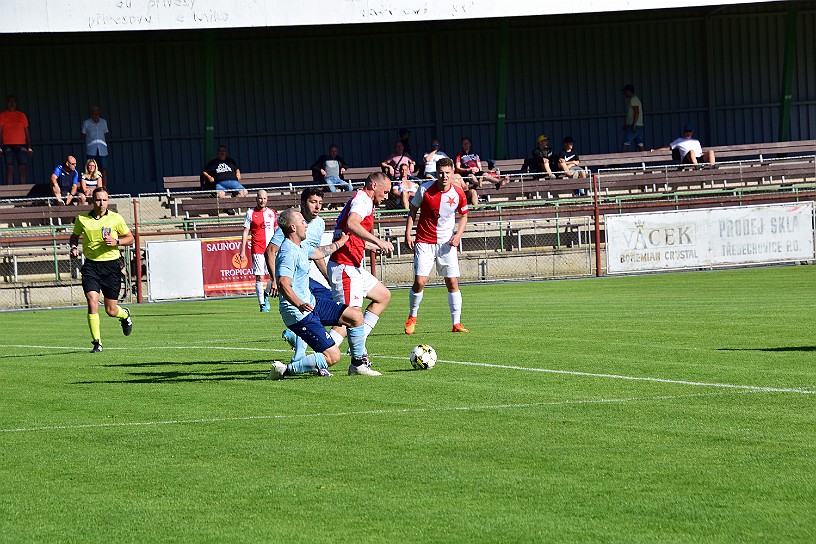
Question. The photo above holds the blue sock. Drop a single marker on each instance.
(356, 340)
(290, 337)
(307, 364)
(300, 349)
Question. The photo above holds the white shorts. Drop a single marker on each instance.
(350, 284)
(259, 264)
(445, 256)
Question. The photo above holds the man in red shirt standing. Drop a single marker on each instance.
(351, 283)
(436, 242)
(16, 140)
(260, 222)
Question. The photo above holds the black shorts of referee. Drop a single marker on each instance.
(102, 276)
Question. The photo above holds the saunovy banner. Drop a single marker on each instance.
(224, 272)
(772, 233)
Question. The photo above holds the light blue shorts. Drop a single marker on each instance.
(229, 185)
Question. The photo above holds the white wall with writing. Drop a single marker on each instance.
(708, 238)
(114, 15)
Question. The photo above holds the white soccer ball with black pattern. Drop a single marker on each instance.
(423, 357)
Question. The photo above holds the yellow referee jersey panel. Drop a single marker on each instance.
(91, 229)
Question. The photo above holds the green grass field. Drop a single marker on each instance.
(666, 408)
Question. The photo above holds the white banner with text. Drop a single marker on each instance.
(121, 15)
(648, 242)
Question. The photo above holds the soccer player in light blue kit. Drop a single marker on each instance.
(311, 202)
(304, 314)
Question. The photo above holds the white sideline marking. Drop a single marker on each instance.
(644, 378)
(487, 365)
(355, 413)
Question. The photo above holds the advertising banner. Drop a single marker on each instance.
(121, 15)
(647, 242)
(224, 273)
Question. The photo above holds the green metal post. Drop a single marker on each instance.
(209, 95)
(501, 106)
(787, 71)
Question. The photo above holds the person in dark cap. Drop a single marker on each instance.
(567, 160)
(539, 161)
(687, 150)
(633, 129)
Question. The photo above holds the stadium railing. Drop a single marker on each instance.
(757, 174)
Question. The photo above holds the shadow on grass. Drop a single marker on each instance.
(189, 363)
(183, 375)
(47, 354)
(781, 349)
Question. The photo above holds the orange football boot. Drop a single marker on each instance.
(459, 328)
(410, 324)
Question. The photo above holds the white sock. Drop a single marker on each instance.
(268, 287)
(259, 292)
(369, 322)
(336, 337)
(414, 299)
(455, 305)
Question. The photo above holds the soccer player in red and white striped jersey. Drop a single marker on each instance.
(438, 202)
(259, 222)
(350, 282)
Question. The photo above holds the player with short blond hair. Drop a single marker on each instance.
(302, 312)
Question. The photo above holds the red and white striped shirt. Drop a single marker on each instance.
(352, 252)
(437, 212)
(261, 225)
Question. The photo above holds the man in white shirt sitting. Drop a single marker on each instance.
(687, 150)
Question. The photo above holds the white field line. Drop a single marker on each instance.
(395, 411)
(756, 388)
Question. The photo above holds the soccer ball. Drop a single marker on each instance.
(423, 357)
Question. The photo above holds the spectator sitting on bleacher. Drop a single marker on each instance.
(223, 172)
(65, 182)
(329, 169)
(469, 166)
(470, 193)
(91, 178)
(687, 150)
(539, 161)
(431, 158)
(403, 188)
(391, 165)
(567, 160)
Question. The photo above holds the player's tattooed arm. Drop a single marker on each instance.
(323, 252)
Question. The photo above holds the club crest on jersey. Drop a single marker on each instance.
(451, 201)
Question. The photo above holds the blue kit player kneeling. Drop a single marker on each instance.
(306, 315)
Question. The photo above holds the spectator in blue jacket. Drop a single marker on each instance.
(65, 182)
